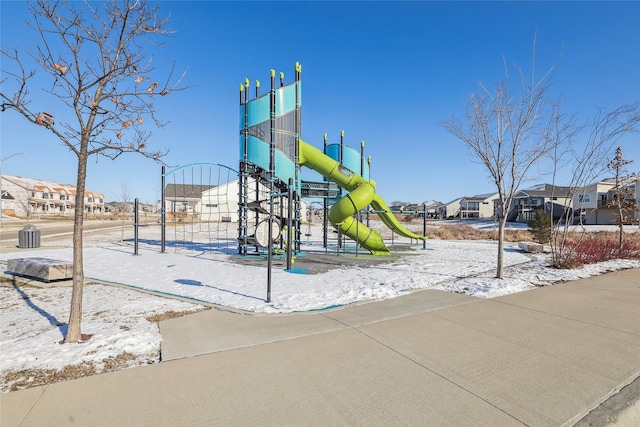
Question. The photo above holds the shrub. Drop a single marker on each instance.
(591, 251)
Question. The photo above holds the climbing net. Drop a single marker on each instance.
(201, 205)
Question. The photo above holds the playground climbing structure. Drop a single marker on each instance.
(271, 155)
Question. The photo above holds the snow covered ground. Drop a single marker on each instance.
(34, 319)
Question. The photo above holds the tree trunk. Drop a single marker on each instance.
(500, 268)
(621, 225)
(74, 332)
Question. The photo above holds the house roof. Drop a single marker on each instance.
(480, 197)
(186, 191)
(545, 190)
(40, 184)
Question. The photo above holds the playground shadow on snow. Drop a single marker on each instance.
(317, 263)
(223, 246)
(190, 282)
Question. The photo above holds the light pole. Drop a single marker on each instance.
(2, 160)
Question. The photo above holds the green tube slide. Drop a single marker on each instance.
(360, 194)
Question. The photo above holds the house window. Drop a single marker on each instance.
(585, 198)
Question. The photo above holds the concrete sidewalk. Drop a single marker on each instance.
(545, 357)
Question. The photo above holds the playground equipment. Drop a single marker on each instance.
(199, 206)
(361, 193)
(271, 154)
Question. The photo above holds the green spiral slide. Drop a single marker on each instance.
(361, 193)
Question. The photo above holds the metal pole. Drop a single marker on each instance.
(298, 213)
(341, 164)
(136, 224)
(289, 223)
(359, 217)
(362, 159)
(163, 215)
(243, 218)
(424, 225)
(272, 134)
(369, 179)
(325, 208)
(281, 207)
(357, 224)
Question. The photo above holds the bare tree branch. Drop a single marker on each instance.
(101, 85)
(510, 132)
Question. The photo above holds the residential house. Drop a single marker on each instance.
(594, 202)
(547, 197)
(481, 206)
(431, 207)
(216, 203)
(181, 199)
(450, 210)
(398, 208)
(220, 203)
(26, 196)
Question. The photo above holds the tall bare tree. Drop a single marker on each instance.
(623, 197)
(101, 83)
(509, 130)
(586, 158)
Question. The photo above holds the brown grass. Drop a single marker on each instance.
(466, 232)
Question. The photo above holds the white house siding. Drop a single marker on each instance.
(45, 197)
(16, 205)
(220, 204)
(451, 209)
(590, 201)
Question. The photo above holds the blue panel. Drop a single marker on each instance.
(242, 107)
(258, 110)
(285, 168)
(259, 156)
(351, 159)
(259, 152)
(285, 99)
(333, 151)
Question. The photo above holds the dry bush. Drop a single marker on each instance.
(518, 236)
(594, 250)
(466, 232)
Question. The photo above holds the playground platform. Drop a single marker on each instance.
(548, 356)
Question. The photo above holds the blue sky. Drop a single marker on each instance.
(384, 72)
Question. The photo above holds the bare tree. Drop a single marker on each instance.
(125, 201)
(26, 208)
(623, 197)
(509, 130)
(587, 161)
(101, 86)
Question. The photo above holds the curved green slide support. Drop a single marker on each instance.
(361, 193)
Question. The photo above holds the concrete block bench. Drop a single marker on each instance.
(531, 247)
(45, 269)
